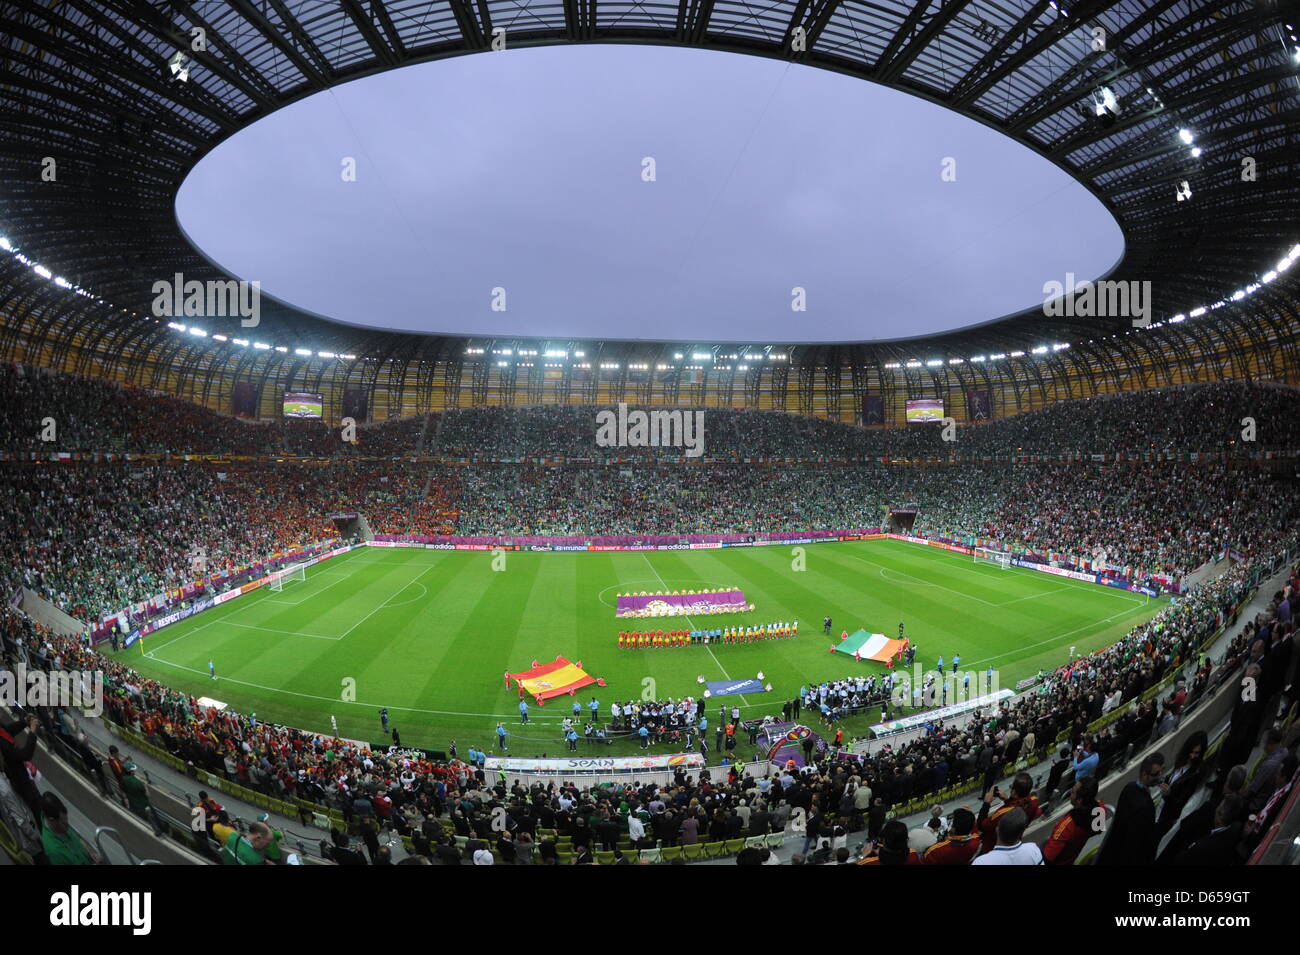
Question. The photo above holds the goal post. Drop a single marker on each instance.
(986, 555)
(293, 572)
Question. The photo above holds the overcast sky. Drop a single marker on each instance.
(523, 170)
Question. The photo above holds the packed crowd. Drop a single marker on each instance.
(1205, 418)
(91, 415)
(47, 411)
(94, 538)
(1166, 518)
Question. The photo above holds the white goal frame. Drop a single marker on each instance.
(987, 555)
(294, 572)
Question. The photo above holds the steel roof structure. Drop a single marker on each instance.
(125, 97)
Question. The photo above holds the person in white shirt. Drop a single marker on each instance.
(1010, 850)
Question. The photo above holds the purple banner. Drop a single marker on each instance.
(681, 605)
(660, 541)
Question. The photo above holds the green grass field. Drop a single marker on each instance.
(428, 634)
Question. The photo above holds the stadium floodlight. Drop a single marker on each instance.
(580, 354)
(934, 363)
(219, 338)
(199, 332)
(1186, 136)
(179, 68)
(978, 358)
(5, 244)
(678, 356)
(956, 361)
(1198, 312)
(892, 364)
(1061, 347)
(700, 356)
(1295, 252)
(324, 354)
(240, 341)
(61, 282)
(302, 351)
(176, 326)
(1180, 317)
(1040, 350)
(282, 349)
(1105, 107)
(913, 364)
(42, 271)
(1017, 354)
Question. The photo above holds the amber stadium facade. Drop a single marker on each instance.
(1198, 99)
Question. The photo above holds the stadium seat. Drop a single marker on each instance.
(756, 842)
(651, 856)
(712, 850)
(566, 858)
(9, 845)
(732, 846)
(775, 840)
(605, 858)
(670, 853)
(693, 853)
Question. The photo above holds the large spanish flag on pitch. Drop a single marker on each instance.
(869, 646)
(554, 679)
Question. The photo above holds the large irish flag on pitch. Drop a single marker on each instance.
(869, 646)
(554, 679)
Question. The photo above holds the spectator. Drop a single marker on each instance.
(1010, 849)
(1132, 837)
(63, 845)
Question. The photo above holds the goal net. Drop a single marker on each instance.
(295, 572)
(984, 555)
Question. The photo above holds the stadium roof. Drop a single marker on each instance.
(1198, 96)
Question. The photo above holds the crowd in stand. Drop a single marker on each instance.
(45, 411)
(94, 538)
(1165, 518)
(91, 415)
(1189, 418)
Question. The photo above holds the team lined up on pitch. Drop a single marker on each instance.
(654, 639)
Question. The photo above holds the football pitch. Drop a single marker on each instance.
(429, 634)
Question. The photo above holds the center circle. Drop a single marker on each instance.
(640, 192)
